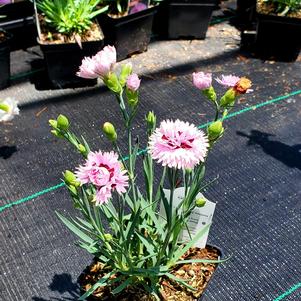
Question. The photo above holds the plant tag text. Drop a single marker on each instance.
(199, 218)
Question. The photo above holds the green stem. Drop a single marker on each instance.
(217, 108)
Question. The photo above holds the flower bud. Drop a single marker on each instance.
(215, 130)
(132, 97)
(70, 178)
(188, 170)
(81, 149)
(151, 120)
(210, 94)
(53, 123)
(56, 134)
(133, 82)
(228, 99)
(4, 107)
(201, 202)
(108, 236)
(126, 70)
(112, 82)
(202, 80)
(62, 122)
(109, 131)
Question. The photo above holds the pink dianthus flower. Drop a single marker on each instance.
(99, 65)
(202, 80)
(103, 170)
(133, 82)
(178, 144)
(228, 81)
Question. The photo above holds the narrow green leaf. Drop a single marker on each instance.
(181, 281)
(182, 250)
(122, 286)
(75, 229)
(99, 283)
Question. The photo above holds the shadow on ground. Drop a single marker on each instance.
(63, 285)
(288, 155)
(7, 151)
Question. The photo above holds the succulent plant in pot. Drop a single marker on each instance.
(279, 23)
(139, 229)
(67, 32)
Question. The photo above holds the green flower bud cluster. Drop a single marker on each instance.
(60, 129)
(71, 181)
(60, 125)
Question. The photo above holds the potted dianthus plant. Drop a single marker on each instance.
(134, 229)
(128, 25)
(279, 29)
(67, 32)
(182, 19)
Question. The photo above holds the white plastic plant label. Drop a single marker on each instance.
(199, 218)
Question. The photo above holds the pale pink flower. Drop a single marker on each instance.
(8, 109)
(137, 8)
(100, 65)
(228, 81)
(133, 82)
(103, 170)
(178, 144)
(202, 80)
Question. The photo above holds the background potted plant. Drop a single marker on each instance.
(18, 21)
(68, 32)
(142, 251)
(128, 25)
(5, 39)
(184, 18)
(279, 29)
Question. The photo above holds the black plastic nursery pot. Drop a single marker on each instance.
(94, 298)
(129, 34)
(278, 37)
(18, 20)
(246, 11)
(5, 61)
(186, 18)
(62, 61)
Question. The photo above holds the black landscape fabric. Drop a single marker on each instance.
(258, 213)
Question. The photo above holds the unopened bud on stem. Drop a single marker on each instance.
(201, 202)
(215, 130)
(109, 131)
(62, 122)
